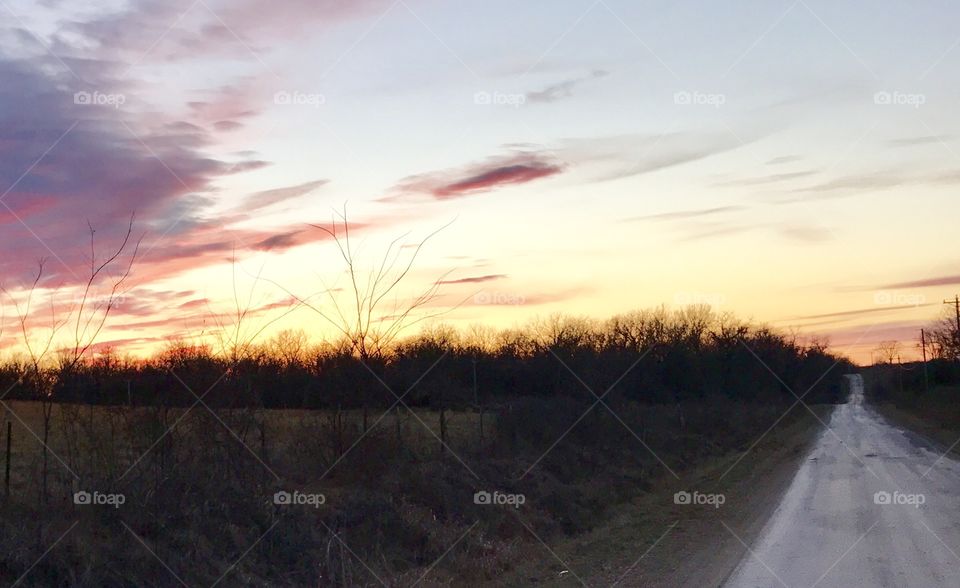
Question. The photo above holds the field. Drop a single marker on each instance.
(239, 458)
(199, 493)
(77, 431)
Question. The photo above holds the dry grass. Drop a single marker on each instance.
(202, 496)
(420, 428)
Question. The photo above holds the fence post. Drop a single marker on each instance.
(443, 428)
(396, 417)
(476, 398)
(6, 467)
(339, 430)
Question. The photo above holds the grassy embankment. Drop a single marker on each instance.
(398, 509)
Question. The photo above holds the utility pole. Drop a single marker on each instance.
(956, 334)
(956, 305)
(923, 346)
(900, 374)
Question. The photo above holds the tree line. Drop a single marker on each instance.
(658, 356)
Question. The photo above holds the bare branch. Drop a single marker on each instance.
(369, 330)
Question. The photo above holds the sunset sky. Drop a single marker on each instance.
(794, 162)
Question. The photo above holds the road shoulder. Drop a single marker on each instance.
(656, 542)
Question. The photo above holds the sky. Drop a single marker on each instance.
(793, 162)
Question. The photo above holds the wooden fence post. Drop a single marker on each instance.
(339, 430)
(443, 428)
(6, 467)
(396, 417)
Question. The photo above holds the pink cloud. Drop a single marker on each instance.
(226, 126)
(479, 177)
(61, 170)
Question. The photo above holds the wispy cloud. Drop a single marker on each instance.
(880, 180)
(626, 156)
(475, 178)
(866, 338)
(784, 159)
(861, 311)
(920, 140)
(927, 282)
(869, 182)
(685, 214)
(476, 279)
(768, 179)
(716, 230)
(266, 198)
(564, 89)
(722, 221)
(807, 233)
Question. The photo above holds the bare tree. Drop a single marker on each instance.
(93, 309)
(946, 338)
(237, 335)
(37, 376)
(88, 316)
(237, 331)
(374, 315)
(888, 351)
(290, 346)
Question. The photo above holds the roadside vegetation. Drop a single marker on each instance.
(922, 395)
(929, 404)
(578, 417)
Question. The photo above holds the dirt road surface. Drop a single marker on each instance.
(871, 505)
